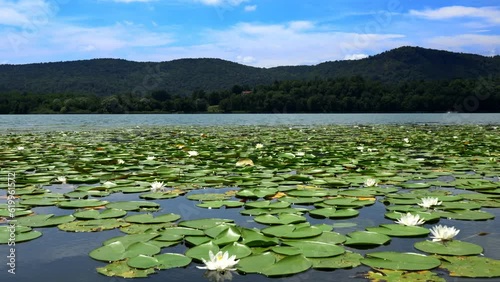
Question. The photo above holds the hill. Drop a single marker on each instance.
(105, 77)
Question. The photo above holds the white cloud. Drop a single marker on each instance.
(490, 14)
(25, 13)
(483, 44)
(355, 56)
(245, 59)
(221, 2)
(301, 25)
(132, 1)
(250, 8)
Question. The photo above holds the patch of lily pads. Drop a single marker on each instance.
(280, 180)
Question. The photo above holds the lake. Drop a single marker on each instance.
(83, 122)
(445, 154)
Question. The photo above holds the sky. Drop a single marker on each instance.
(260, 33)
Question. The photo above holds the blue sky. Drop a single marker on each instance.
(263, 33)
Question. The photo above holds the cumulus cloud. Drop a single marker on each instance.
(221, 2)
(25, 13)
(355, 56)
(461, 43)
(490, 14)
(250, 8)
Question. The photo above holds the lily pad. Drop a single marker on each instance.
(400, 261)
(346, 260)
(366, 238)
(121, 269)
(283, 218)
(452, 248)
(44, 220)
(398, 230)
(471, 266)
(148, 218)
(95, 214)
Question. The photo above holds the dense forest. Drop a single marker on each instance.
(406, 79)
(353, 94)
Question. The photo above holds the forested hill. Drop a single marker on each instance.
(104, 77)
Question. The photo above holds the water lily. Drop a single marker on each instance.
(157, 186)
(219, 262)
(407, 140)
(61, 179)
(259, 146)
(20, 148)
(192, 153)
(443, 233)
(150, 158)
(370, 182)
(429, 202)
(410, 220)
(120, 161)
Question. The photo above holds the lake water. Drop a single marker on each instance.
(63, 256)
(87, 122)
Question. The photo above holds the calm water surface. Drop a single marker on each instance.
(86, 122)
(63, 256)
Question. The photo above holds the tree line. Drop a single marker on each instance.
(335, 95)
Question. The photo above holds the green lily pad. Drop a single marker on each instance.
(95, 214)
(366, 238)
(142, 262)
(238, 250)
(133, 205)
(471, 266)
(208, 197)
(465, 215)
(345, 260)
(44, 220)
(94, 225)
(254, 238)
(204, 223)
(266, 264)
(76, 204)
(315, 249)
(117, 251)
(219, 204)
(148, 218)
(333, 213)
(172, 260)
(280, 219)
(202, 251)
(452, 248)
(398, 230)
(400, 261)
(21, 233)
(121, 269)
(292, 231)
(387, 275)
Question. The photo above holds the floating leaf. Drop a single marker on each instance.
(346, 260)
(471, 266)
(44, 220)
(95, 214)
(148, 218)
(398, 230)
(121, 269)
(400, 261)
(452, 248)
(360, 238)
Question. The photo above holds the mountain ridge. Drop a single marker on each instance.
(106, 76)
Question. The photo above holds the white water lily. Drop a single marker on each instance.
(429, 202)
(410, 220)
(120, 161)
(370, 182)
(108, 184)
(407, 140)
(192, 153)
(219, 262)
(20, 148)
(61, 179)
(150, 158)
(157, 186)
(443, 233)
(259, 146)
